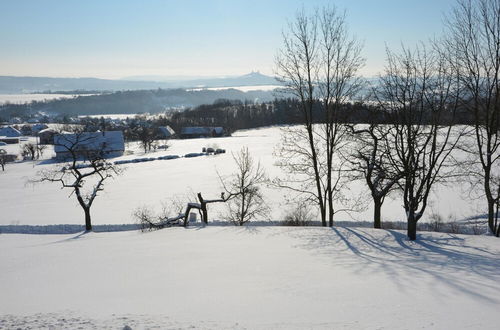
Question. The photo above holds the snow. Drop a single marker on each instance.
(254, 277)
(240, 88)
(153, 182)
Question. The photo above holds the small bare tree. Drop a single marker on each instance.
(40, 149)
(245, 200)
(29, 150)
(84, 174)
(369, 160)
(146, 136)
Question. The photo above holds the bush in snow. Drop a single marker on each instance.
(300, 215)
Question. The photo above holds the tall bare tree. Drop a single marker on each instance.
(318, 64)
(420, 92)
(84, 174)
(473, 42)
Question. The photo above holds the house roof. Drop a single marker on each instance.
(48, 130)
(106, 141)
(9, 131)
(167, 131)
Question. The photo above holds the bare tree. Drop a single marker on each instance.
(84, 174)
(40, 149)
(369, 160)
(146, 136)
(420, 92)
(3, 153)
(473, 42)
(245, 200)
(318, 64)
(29, 150)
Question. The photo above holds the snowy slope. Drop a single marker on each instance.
(250, 278)
(151, 183)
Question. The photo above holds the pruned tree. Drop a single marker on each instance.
(244, 197)
(473, 46)
(369, 160)
(85, 173)
(419, 90)
(318, 64)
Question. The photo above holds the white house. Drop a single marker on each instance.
(107, 144)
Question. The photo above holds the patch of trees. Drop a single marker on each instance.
(242, 195)
(411, 131)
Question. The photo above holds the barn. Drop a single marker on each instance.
(199, 132)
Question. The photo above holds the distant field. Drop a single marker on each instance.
(150, 183)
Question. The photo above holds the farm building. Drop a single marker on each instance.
(107, 144)
(199, 132)
(9, 131)
(166, 132)
(46, 136)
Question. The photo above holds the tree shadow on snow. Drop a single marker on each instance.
(448, 259)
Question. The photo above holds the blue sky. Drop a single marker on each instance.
(120, 38)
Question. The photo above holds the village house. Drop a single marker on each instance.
(9, 131)
(46, 136)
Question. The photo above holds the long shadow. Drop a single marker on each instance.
(69, 239)
(442, 258)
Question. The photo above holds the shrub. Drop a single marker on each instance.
(300, 215)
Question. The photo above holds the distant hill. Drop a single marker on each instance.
(131, 102)
(20, 85)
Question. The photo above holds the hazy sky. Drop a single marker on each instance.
(119, 38)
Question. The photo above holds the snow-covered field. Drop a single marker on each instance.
(240, 88)
(249, 278)
(151, 183)
(27, 98)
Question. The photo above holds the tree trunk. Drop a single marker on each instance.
(204, 212)
(491, 215)
(412, 227)
(88, 224)
(330, 208)
(377, 209)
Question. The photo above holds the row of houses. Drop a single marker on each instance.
(107, 143)
(111, 143)
(46, 134)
